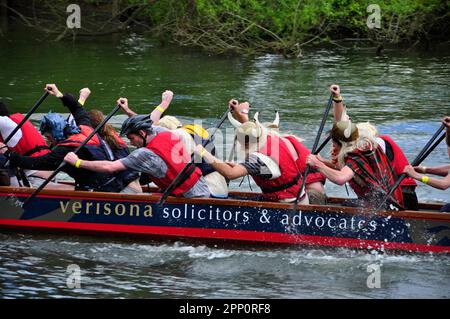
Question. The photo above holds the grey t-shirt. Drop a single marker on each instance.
(145, 161)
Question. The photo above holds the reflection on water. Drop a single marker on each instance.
(403, 94)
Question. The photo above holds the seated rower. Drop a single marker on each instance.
(26, 141)
(111, 143)
(190, 135)
(315, 180)
(395, 154)
(116, 148)
(66, 136)
(267, 159)
(418, 172)
(161, 156)
(362, 163)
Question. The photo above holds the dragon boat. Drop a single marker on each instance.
(239, 219)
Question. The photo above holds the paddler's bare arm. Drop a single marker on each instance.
(438, 170)
(339, 177)
(338, 106)
(156, 113)
(84, 94)
(240, 110)
(123, 103)
(166, 98)
(95, 166)
(440, 183)
(327, 162)
(227, 170)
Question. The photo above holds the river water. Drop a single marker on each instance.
(404, 93)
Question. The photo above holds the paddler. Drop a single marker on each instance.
(420, 172)
(315, 180)
(190, 135)
(395, 154)
(360, 162)
(161, 156)
(267, 159)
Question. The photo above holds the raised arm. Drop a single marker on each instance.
(123, 103)
(240, 110)
(84, 94)
(79, 113)
(156, 113)
(166, 98)
(338, 106)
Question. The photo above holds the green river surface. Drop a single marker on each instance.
(404, 93)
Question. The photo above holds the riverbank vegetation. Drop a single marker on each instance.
(247, 26)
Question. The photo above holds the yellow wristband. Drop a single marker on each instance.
(338, 99)
(202, 152)
(78, 163)
(425, 179)
(159, 108)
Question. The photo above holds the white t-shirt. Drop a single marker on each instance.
(6, 127)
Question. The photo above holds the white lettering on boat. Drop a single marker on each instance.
(191, 212)
(102, 208)
(331, 222)
(217, 214)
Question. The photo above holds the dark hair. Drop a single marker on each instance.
(4, 109)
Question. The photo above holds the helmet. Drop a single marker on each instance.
(344, 131)
(59, 127)
(136, 123)
(252, 132)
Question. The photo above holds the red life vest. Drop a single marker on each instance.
(170, 148)
(399, 161)
(288, 183)
(77, 139)
(32, 143)
(303, 152)
(375, 171)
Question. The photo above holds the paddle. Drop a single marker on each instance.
(314, 148)
(234, 103)
(419, 159)
(432, 147)
(324, 143)
(33, 109)
(61, 166)
(181, 176)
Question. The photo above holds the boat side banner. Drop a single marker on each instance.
(264, 223)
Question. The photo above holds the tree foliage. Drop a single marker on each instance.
(281, 26)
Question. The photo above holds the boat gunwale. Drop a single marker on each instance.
(154, 198)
